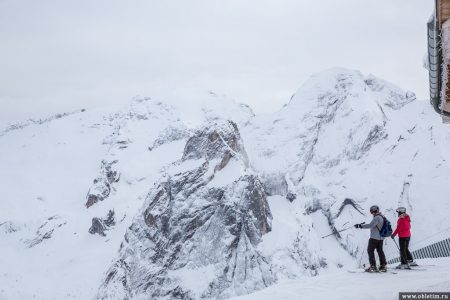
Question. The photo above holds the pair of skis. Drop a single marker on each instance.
(391, 271)
(364, 271)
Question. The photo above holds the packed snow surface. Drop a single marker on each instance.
(343, 285)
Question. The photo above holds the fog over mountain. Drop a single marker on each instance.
(62, 56)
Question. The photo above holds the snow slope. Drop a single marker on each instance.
(343, 285)
(272, 184)
(349, 136)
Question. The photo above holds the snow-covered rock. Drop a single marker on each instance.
(196, 221)
(102, 185)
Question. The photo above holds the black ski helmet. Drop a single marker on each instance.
(401, 210)
(374, 209)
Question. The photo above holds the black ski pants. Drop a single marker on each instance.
(405, 255)
(376, 245)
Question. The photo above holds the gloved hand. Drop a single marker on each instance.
(357, 226)
(392, 236)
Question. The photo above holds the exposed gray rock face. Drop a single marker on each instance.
(221, 141)
(99, 226)
(351, 203)
(275, 184)
(102, 185)
(29, 122)
(374, 136)
(394, 97)
(192, 226)
(8, 227)
(291, 197)
(168, 135)
(45, 231)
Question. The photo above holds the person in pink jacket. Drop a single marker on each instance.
(404, 234)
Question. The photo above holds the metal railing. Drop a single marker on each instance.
(434, 59)
(438, 249)
(435, 66)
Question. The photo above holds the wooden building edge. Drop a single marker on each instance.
(439, 58)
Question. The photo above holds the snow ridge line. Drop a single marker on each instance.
(29, 122)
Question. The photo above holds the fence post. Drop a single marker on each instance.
(441, 249)
(428, 249)
(433, 248)
(436, 251)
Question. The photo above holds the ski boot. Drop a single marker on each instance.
(383, 268)
(412, 263)
(372, 269)
(403, 267)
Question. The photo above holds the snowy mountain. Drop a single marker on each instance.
(193, 196)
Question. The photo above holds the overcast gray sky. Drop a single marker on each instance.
(61, 55)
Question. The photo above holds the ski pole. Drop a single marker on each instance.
(339, 231)
(396, 244)
(336, 232)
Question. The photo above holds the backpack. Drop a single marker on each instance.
(386, 229)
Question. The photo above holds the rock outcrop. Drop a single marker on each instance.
(102, 185)
(191, 224)
(100, 225)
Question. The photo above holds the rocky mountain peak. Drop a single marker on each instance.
(192, 223)
(352, 85)
(220, 140)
